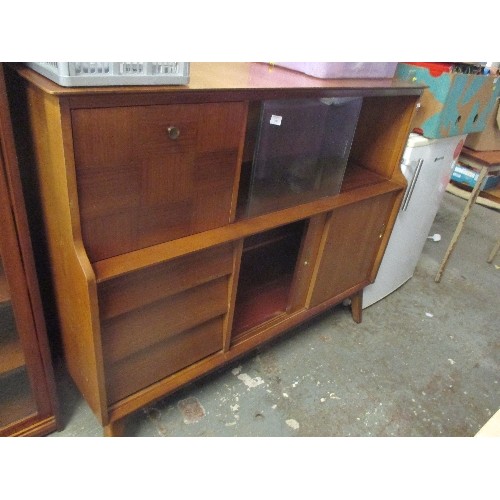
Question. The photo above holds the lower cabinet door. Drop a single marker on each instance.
(157, 321)
(351, 243)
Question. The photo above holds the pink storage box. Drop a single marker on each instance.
(343, 69)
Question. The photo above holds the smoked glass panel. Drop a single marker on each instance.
(301, 151)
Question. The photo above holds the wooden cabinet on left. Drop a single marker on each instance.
(28, 403)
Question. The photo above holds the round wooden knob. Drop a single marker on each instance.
(173, 132)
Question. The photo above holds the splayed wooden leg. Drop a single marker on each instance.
(115, 429)
(357, 306)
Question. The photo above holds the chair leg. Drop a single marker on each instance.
(472, 199)
(494, 251)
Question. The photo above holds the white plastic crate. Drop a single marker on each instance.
(83, 74)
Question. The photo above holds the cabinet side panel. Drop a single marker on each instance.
(72, 274)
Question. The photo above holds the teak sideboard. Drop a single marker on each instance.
(161, 273)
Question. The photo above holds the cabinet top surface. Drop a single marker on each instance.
(235, 76)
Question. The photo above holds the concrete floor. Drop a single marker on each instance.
(424, 362)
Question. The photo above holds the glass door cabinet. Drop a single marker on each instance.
(27, 391)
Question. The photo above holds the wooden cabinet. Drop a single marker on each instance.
(161, 273)
(27, 390)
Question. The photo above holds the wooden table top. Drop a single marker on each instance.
(485, 158)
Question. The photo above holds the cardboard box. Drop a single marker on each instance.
(489, 138)
(453, 104)
(467, 175)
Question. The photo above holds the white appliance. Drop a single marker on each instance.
(427, 165)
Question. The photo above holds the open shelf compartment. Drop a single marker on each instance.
(267, 270)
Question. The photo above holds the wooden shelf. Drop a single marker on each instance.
(272, 237)
(16, 399)
(4, 287)
(356, 177)
(11, 356)
(11, 353)
(121, 264)
(260, 305)
(489, 198)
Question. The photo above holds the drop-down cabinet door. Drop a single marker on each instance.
(351, 243)
(150, 174)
